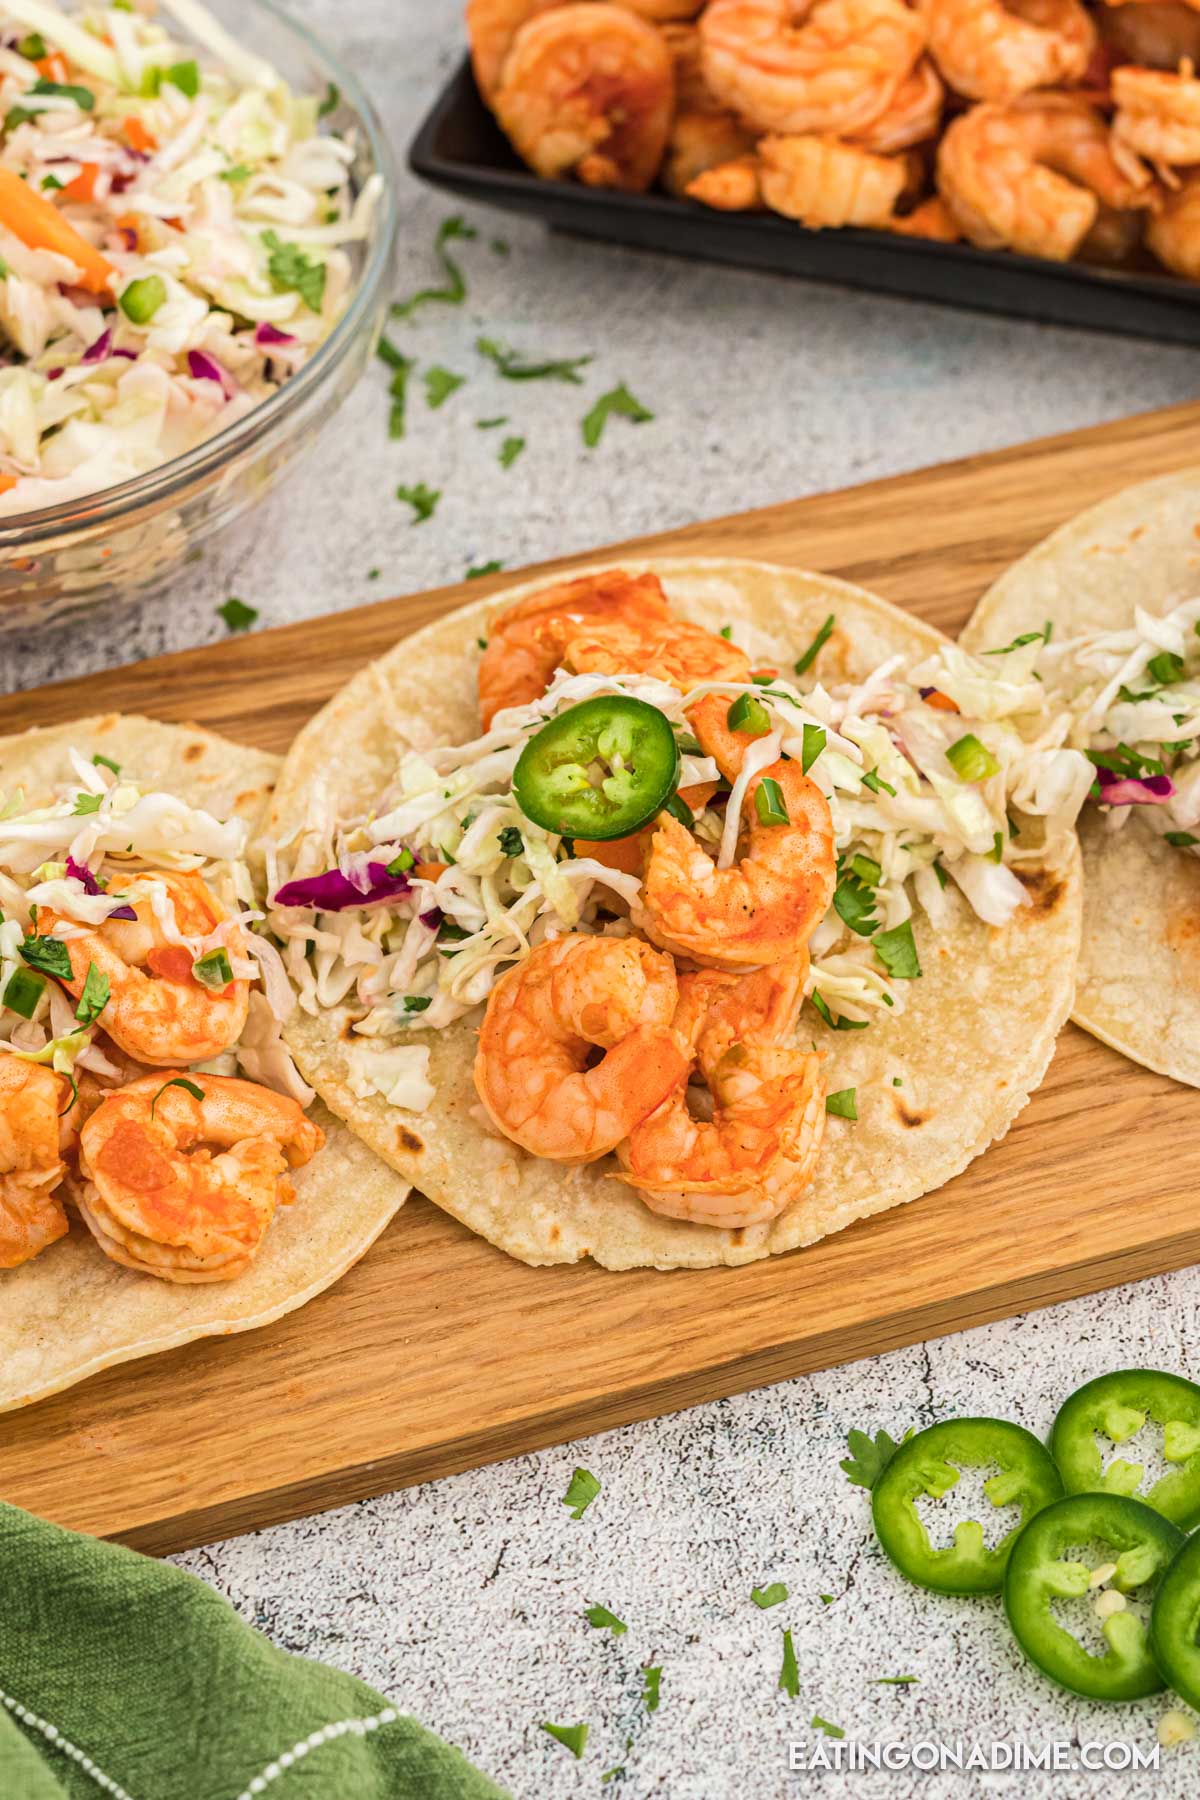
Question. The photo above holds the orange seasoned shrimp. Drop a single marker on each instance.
(761, 910)
(543, 1019)
(185, 1188)
(751, 1159)
(822, 181)
(913, 115)
(33, 1136)
(670, 649)
(1157, 34)
(836, 70)
(491, 27)
(692, 92)
(700, 144)
(527, 640)
(664, 12)
(588, 89)
(993, 50)
(1031, 175)
(728, 187)
(1158, 114)
(761, 1007)
(1174, 233)
(157, 1011)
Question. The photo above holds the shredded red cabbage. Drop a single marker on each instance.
(271, 334)
(335, 892)
(80, 872)
(203, 367)
(1133, 790)
(100, 349)
(433, 918)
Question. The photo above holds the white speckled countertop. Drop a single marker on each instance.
(463, 1600)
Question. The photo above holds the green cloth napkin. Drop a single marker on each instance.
(125, 1677)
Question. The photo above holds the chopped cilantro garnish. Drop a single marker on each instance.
(769, 1596)
(51, 184)
(491, 424)
(581, 1491)
(511, 841)
(185, 76)
(1181, 840)
(291, 271)
(601, 1619)
(499, 247)
(679, 809)
(820, 1724)
(843, 1104)
(94, 998)
(48, 955)
(401, 367)
(106, 762)
(971, 760)
(941, 874)
(868, 1457)
(236, 614)
(854, 904)
(510, 449)
(840, 1023)
(440, 384)
(867, 869)
(652, 1682)
(422, 499)
(417, 1003)
(572, 1737)
(1121, 760)
(331, 102)
(454, 291)
(896, 1680)
(237, 172)
(789, 1674)
(897, 951)
(814, 743)
(85, 804)
(825, 1599)
(726, 632)
(805, 662)
(618, 403)
(488, 568)
(83, 97)
(873, 780)
(1165, 668)
(32, 47)
(373, 574)
(1019, 643)
(179, 1081)
(515, 367)
(996, 853)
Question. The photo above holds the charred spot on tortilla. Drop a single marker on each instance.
(908, 1116)
(1045, 888)
(193, 752)
(408, 1140)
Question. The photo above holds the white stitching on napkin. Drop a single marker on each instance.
(325, 1734)
(54, 1736)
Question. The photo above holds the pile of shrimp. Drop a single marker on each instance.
(175, 1172)
(673, 1044)
(1055, 128)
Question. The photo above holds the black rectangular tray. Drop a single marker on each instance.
(460, 147)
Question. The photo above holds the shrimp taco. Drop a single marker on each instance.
(1105, 615)
(676, 914)
(150, 1115)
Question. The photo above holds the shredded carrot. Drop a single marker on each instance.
(429, 871)
(131, 222)
(52, 67)
(84, 185)
(136, 135)
(940, 702)
(7, 482)
(39, 224)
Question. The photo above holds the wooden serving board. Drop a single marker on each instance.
(437, 1352)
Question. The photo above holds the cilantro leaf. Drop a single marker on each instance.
(106, 762)
(869, 1457)
(454, 291)
(417, 1003)
(854, 904)
(179, 1081)
(236, 614)
(619, 403)
(1019, 643)
(402, 367)
(510, 449)
(440, 384)
(789, 1674)
(600, 1619)
(85, 804)
(515, 367)
(572, 1737)
(48, 955)
(94, 998)
(819, 1724)
(814, 743)
(897, 952)
(874, 780)
(422, 499)
(581, 1491)
(510, 840)
(1181, 840)
(185, 76)
(491, 424)
(809, 657)
(488, 568)
(291, 271)
(237, 172)
(843, 1104)
(331, 102)
(1165, 668)
(652, 1682)
(902, 1680)
(769, 1596)
(841, 1023)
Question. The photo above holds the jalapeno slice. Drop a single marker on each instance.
(600, 770)
(930, 1464)
(1118, 1405)
(1175, 1623)
(1129, 1546)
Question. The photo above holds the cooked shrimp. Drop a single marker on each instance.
(664, 12)
(913, 116)
(989, 50)
(491, 27)
(932, 219)
(1031, 175)
(186, 1188)
(32, 1135)
(1158, 115)
(822, 181)
(761, 1007)
(836, 70)
(1174, 233)
(527, 640)
(588, 89)
(692, 92)
(728, 187)
(157, 1011)
(543, 1019)
(673, 650)
(701, 143)
(1157, 35)
(761, 910)
(751, 1159)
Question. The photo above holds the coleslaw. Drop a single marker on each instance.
(175, 227)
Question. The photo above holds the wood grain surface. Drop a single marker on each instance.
(437, 1352)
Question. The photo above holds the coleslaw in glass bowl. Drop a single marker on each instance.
(196, 225)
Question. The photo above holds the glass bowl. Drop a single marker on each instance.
(127, 539)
